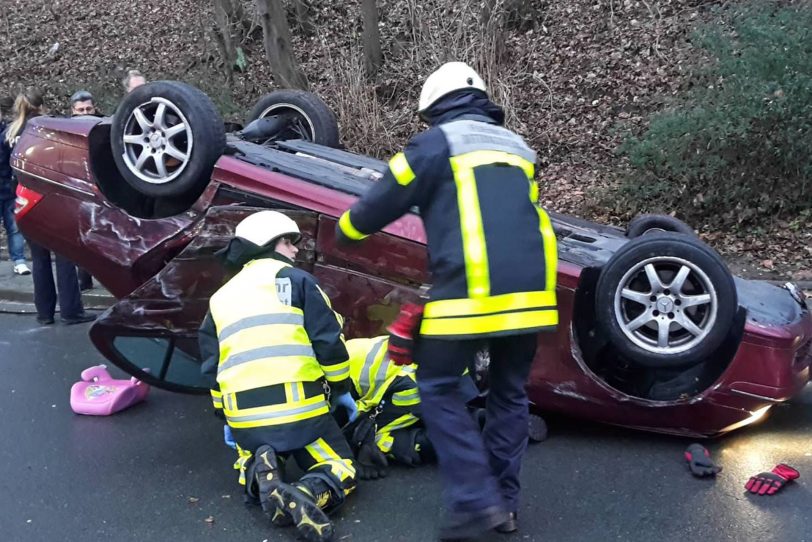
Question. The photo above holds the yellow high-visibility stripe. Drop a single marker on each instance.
(406, 398)
(216, 399)
(475, 251)
(277, 414)
(401, 169)
(550, 249)
(337, 372)
(475, 325)
(497, 303)
(474, 159)
(323, 453)
(348, 229)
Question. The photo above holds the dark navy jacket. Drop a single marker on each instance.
(492, 250)
(6, 178)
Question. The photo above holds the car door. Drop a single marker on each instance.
(152, 332)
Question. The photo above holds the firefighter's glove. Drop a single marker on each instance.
(410, 446)
(346, 402)
(228, 438)
(370, 463)
(768, 483)
(700, 462)
(402, 333)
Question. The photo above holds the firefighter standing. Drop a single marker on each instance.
(492, 255)
(269, 342)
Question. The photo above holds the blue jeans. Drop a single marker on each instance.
(16, 243)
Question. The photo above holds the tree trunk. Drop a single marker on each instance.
(304, 12)
(228, 31)
(372, 37)
(278, 48)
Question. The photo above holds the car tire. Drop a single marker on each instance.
(665, 300)
(166, 137)
(647, 224)
(313, 119)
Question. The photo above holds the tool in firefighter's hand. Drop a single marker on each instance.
(402, 333)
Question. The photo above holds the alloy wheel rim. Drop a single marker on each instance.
(666, 305)
(158, 141)
(301, 125)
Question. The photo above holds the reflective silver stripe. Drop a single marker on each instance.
(260, 320)
(294, 391)
(266, 352)
(405, 395)
(278, 413)
(464, 136)
(368, 362)
(404, 421)
(336, 372)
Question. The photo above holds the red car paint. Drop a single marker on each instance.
(163, 271)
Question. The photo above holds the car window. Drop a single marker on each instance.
(166, 359)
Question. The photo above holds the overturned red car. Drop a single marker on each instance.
(655, 332)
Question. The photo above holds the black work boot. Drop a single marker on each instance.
(303, 508)
(267, 476)
(509, 526)
(468, 525)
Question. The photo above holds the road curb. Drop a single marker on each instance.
(22, 302)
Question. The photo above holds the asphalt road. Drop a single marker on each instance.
(159, 471)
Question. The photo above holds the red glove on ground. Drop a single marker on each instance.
(768, 483)
(402, 333)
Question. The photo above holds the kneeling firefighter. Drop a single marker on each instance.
(389, 425)
(275, 358)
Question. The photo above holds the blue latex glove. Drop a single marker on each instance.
(228, 438)
(346, 401)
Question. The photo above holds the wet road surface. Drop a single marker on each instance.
(160, 471)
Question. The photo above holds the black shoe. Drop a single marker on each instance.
(80, 318)
(465, 526)
(311, 522)
(45, 320)
(85, 286)
(266, 473)
(510, 526)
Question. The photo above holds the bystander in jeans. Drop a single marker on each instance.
(16, 243)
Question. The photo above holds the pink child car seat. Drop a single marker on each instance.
(99, 394)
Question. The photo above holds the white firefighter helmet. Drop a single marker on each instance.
(263, 227)
(447, 78)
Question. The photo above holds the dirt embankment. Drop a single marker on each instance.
(574, 77)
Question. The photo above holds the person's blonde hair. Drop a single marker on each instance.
(27, 103)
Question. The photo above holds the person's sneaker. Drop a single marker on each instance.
(21, 269)
(45, 320)
(266, 474)
(80, 318)
(509, 526)
(311, 522)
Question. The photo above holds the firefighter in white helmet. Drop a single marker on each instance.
(275, 358)
(492, 257)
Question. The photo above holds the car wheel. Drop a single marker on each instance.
(645, 224)
(665, 300)
(166, 137)
(303, 114)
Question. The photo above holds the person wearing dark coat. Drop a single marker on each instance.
(27, 106)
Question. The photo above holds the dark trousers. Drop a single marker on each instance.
(67, 285)
(478, 470)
